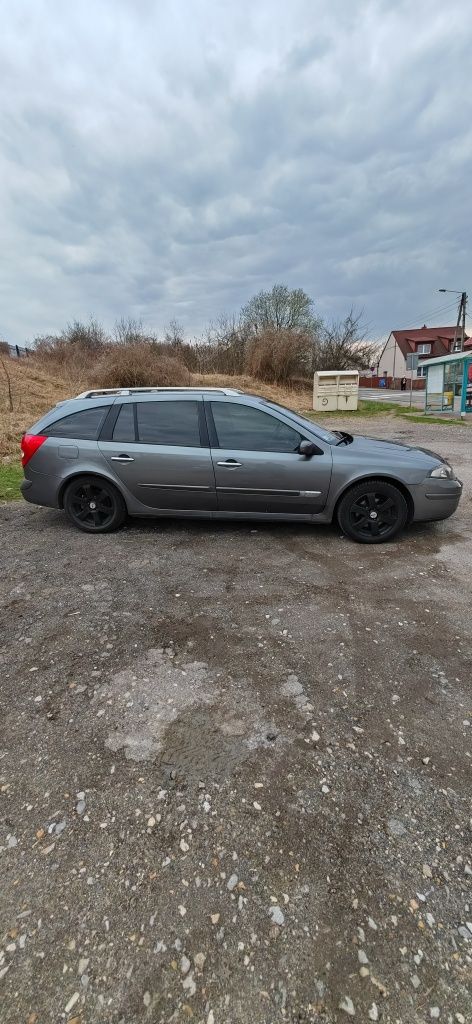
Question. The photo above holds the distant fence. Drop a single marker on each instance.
(18, 352)
(367, 381)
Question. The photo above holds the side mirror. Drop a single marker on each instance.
(307, 448)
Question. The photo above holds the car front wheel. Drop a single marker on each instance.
(372, 511)
(94, 505)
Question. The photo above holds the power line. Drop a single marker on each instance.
(424, 317)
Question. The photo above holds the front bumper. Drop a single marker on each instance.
(436, 499)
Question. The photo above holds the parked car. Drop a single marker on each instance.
(219, 453)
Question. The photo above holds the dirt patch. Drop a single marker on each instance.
(195, 723)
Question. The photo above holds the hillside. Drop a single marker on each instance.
(33, 392)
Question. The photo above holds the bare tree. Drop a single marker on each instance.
(342, 345)
(225, 345)
(280, 309)
(174, 334)
(128, 331)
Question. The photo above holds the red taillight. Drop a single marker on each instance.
(29, 445)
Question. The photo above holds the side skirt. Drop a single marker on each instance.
(269, 517)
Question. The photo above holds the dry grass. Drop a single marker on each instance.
(34, 391)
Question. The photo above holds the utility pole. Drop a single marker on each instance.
(460, 315)
(463, 307)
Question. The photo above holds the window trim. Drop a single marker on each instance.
(214, 439)
(111, 421)
(135, 421)
(423, 348)
(213, 436)
(108, 425)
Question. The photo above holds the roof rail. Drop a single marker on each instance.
(98, 392)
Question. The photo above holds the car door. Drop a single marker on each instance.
(258, 467)
(158, 447)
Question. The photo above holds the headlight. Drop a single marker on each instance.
(444, 472)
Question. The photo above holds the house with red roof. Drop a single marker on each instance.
(425, 342)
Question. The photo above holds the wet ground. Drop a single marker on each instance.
(235, 770)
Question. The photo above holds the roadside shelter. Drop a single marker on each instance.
(449, 383)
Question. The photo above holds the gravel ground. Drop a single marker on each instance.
(235, 770)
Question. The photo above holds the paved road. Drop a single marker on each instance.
(386, 395)
(235, 771)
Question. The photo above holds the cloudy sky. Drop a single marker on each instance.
(169, 158)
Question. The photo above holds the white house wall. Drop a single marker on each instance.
(392, 361)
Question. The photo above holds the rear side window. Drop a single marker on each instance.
(243, 428)
(124, 426)
(173, 423)
(83, 426)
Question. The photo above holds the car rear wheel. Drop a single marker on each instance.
(94, 505)
(372, 512)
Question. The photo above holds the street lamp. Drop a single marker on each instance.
(461, 310)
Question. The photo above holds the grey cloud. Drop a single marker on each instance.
(169, 160)
(305, 53)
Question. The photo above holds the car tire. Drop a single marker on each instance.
(372, 512)
(94, 505)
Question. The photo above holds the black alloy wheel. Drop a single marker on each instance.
(372, 512)
(94, 505)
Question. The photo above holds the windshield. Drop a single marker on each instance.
(325, 435)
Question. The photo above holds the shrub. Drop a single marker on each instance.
(139, 365)
(278, 357)
(71, 353)
(4, 348)
(75, 340)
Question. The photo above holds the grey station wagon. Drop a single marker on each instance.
(221, 454)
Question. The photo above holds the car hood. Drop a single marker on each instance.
(390, 449)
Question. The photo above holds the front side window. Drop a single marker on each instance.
(304, 422)
(174, 423)
(82, 426)
(242, 428)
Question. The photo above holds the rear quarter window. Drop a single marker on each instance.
(82, 426)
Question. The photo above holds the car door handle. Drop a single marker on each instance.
(122, 458)
(230, 464)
